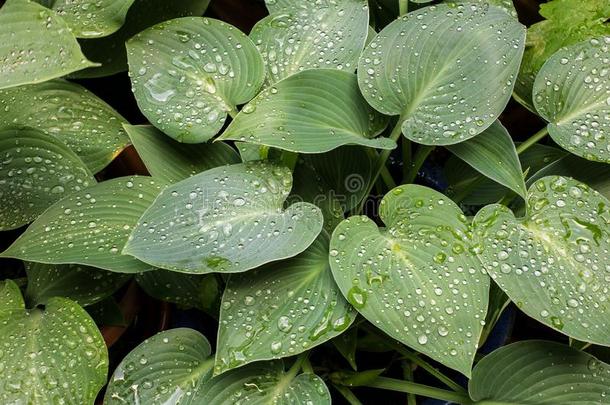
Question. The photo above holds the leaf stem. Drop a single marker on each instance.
(418, 160)
(413, 358)
(407, 373)
(406, 156)
(403, 7)
(233, 112)
(306, 366)
(381, 160)
(347, 394)
(532, 140)
(409, 387)
(294, 369)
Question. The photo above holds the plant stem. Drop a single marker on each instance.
(418, 160)
(306, 366)
(532, 140)
(347, 394)
(403, 7)
(413, 358)
(385, 173)
(233, 112)
(409, 387)
(407, 373)
(294, 369)
(406, 156)
(381, 160)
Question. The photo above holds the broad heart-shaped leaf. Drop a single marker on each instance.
(536, 372)
(188, 73)
(83, 284)
(572, 92)
(90, 227)
(70, 113)
(189, 290)
(173, 161)
(494, 155)
(447, 70)
(35, 45)
(554, 262)
(90, 18)
(180, 361)
(35, 171)
(460, 175)
(417, 279)
(111, 51)
(330, 35)
(49, 356)
(311, 112)
(227, 219)
(506, 5)
(567, 22)
(281, 309)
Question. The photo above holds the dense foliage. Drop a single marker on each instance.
(288, 192)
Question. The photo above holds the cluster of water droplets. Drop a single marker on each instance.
(91, 18)
(328, 36)
(445, 99)
(188, 73)
(573, 92)
(33, 175)
(553, 263)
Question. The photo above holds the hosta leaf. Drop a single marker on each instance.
(494, 155)
(329, 35)
(36, 170)
(83, 284)
(418, 279)
(180, 361)
(35, 45)
(447, 70)
(553, 263)
(312, 112)
(90, 18)
(189, 290)
(567, 22)
(536, 372)
(172, 161)
(506, 5)
(596, 175)
(572, 92)
(188, 73)
(51, 355)
(281, 309)
(265, 383)
(228, 219)
(110, 50)
(70, 113)
(89, 227)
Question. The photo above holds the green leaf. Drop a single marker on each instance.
(447, 70)
(326, 35)
(494, 155)
(346, 344)
(36, 170)
(188, 290)
(506, 5)
(111, 51)
(572, 92)
(281, 309)
(188, 73)
(180, 361)
(312, 112)
(567, 22)
(228, 219)
(89, 227)
(70, 113)
(10, 296)
(417, 279)
(552, 263)
(44, 49)
(107, 313)
(596, 175)
(539, 372)
(486, 191)
(172, 161)
(90, 18)
(249, 152)
(50, 355)
(83, 284)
